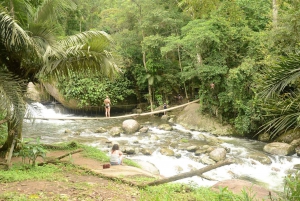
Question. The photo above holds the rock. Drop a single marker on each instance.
(130, 126)
(146, 152)
(198, 152)
(295, 143)
(165, 117)
(214, 140)
(128, 150)
(201, 137)
(32, 93)
(144, 129)
(179, 169)
(239, 186)
(165, 127)
(297, 149)
(262, 158)
(218, 154)
(171, 120)
(192, 148)
(115, 131)
(100, 130)
(279, 148)
(289, 136)
(177, 155)
(264, 137)
(147, 166)
(203, 149)
(68, 131)
(154, 137)
(297, 166)
(191, 117)
(206, 160)
(167, 152)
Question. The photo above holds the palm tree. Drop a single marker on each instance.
(282, 97)
(29, 51)
(150, 79)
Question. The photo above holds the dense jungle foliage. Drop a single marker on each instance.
(245, 48)
(240, 57)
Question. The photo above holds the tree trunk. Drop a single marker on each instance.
(275, 13)
(10, 152)
(180, 66)
(14, 132)
(150, 97)
(189, 174)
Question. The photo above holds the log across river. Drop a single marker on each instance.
(115, 117)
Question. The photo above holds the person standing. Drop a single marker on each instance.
(116, 156)
(165, 107)
(107, 105)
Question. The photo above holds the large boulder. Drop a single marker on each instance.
(289, 136)
(130, 126)
(218, 154)
(53, 91)
(32, 93)
(191, 117)
(279, 148)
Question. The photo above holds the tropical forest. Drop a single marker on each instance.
(238, 59)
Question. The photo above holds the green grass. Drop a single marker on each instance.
(292, 187)
(179, 192)
(22, 173)
(184, 140)
(94, 153)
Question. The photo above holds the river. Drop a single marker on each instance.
(83, 131)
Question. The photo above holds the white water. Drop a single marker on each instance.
(271, 176)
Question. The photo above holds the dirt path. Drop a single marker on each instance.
(72, 186)
(97, 166)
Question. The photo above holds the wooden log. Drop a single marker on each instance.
(55, 160)
(115, 117)
(70, 153)
(189, 174)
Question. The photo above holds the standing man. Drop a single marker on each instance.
(107, 106)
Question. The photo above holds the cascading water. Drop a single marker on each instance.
(269, 175)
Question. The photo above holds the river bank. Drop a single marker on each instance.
(87, 180)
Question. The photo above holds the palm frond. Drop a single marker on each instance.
(45, 41)
(281, 75)
(87, 50)
(51, 9)
(12, 36)
(11, 97)
(283, 113)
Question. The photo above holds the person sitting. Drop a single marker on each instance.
(116, 157)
